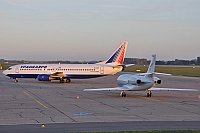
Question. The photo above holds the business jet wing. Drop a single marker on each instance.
(171, 89)
(123, 88)
(143, 74)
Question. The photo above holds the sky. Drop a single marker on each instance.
(93, 29)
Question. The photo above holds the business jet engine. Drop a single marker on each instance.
(44, 77)
(157, 80)
(128, 79)
(134, 81)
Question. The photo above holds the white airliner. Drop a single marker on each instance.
(62, 72)
(139, 82)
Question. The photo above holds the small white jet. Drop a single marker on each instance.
(140, 82)
(62, 72)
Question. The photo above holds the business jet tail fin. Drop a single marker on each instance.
(151, 69)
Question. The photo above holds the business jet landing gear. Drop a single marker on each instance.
(68, 80)
(149, 94)
(123, 94)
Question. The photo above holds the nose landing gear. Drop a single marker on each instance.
(123, 94)
(16, 80)
(149, 93)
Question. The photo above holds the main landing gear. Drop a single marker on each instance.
(68, 80)
(63, 81)
(123, 94)
(149, 93)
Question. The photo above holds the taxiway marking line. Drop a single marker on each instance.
(35, 100)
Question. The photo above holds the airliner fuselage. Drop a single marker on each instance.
(48, 72)
(66, 70)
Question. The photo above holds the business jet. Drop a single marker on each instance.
(66, 72)
(140, 82)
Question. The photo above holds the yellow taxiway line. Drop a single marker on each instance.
(35, 100)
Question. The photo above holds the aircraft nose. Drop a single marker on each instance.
(5, 72)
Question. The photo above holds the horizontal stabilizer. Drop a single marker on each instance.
(167, 74)
(129, 65)
(124, 66)
(171, 89)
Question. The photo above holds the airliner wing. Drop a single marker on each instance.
(57, 74)
(171, 89)
(125, 88)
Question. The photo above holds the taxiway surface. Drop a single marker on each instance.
(32, 102)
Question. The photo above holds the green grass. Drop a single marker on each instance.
(184, 71)
(6, 65)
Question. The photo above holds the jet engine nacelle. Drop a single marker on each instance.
(128, 79)
(157, 80)
(44, 77)
(134, 81)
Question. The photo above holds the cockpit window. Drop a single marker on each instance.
(9, 68)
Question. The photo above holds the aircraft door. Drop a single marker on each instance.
(17, 69)
(102, 70)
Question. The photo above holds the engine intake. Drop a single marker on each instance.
(158, 81)
(135, 82)
(139, 81)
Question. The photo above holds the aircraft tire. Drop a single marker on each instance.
(149, 94)
(68, 80)
(62, 81)
(16, 80)
(123, 94)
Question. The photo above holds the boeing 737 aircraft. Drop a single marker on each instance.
(139, 82)
(62, 72)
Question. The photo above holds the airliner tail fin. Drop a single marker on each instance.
(117, 57)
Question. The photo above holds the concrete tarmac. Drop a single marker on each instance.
(31, 102)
